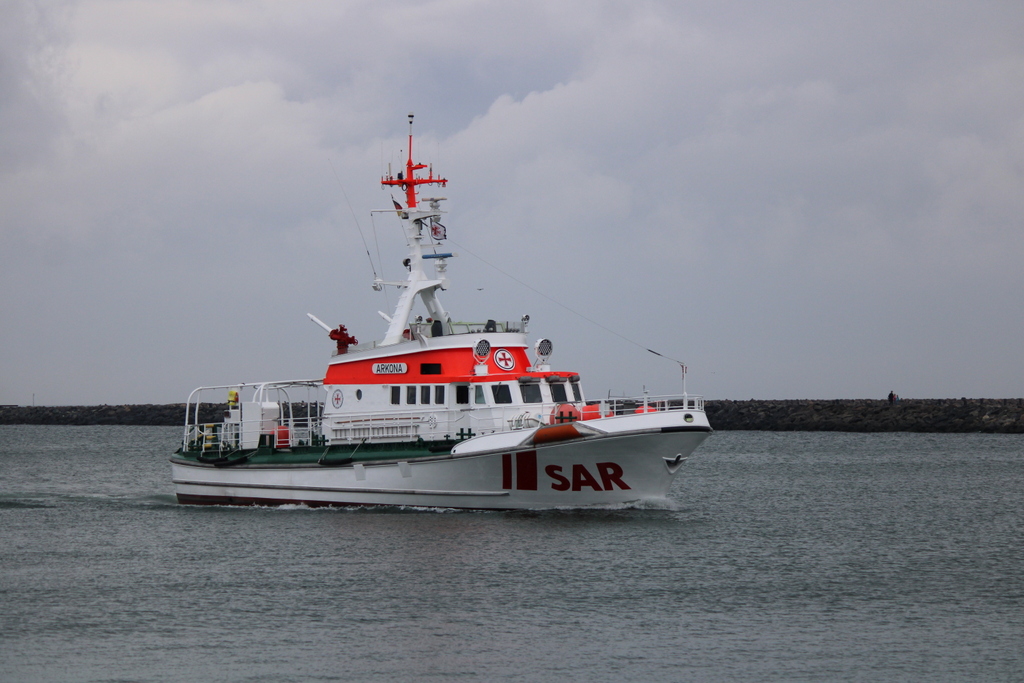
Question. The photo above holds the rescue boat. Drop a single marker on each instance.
(439, 413)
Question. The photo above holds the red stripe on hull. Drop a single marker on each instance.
(526, 471)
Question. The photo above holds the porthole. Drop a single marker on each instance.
(359, 394)
(688, 417)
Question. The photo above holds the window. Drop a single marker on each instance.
(531, 393)
(430, 368)
(439, 394)
(558, 393)
(502, 394)
(396, 395)
(478, 395)
(425, 395)
(359, 394)
(576, 391)
(462, 394)
(410, 395)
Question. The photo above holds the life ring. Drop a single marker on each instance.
(564, 413)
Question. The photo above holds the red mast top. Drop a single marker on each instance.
(409, 181)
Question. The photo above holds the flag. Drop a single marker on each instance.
(398, 207)
(438, 231)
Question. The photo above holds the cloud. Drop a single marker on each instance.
(798, 200)
(32, 36)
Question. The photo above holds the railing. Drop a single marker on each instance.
(489, 326)
(275, 425)
(430, 425)
(269, 413)
(377, 427)
(225, 437)
(462, 424)
(636, 404)
(425, 330)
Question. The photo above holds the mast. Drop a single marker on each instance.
(417, 223)
(408, 182)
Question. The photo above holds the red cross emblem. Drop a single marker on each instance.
(504, 360)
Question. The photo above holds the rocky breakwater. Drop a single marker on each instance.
(170, 414)
(167, 414)
(1004, 416)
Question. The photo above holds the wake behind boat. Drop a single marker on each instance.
(438, 413)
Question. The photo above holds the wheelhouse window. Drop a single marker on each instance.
(558, 393)
(576, 391)
(430, 368)
(531, 393)
(425, 395)
(462, 394)
(478, 395)
(396, 395)
(502, 393)
(439, 394)
(410, 395)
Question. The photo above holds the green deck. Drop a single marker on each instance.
(326, 456)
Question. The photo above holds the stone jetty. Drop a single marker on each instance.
(169, 414)
(1005, 416)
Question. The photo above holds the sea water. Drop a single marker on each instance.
(783, 557)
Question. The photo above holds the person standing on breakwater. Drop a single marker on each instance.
(892, 398)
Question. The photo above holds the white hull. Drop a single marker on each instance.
(606, 470)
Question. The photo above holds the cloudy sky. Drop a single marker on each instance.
(798, 199)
